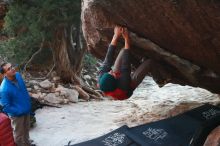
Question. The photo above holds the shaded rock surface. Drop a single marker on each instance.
(182, 36)
(214, 138)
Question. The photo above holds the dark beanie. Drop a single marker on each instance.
(107, 82)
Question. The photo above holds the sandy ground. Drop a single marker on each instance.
(82, 121)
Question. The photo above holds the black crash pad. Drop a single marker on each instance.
(117, 137)
(188, 129)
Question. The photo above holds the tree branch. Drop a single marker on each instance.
(32, 57)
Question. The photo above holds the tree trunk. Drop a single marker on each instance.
(68, 53)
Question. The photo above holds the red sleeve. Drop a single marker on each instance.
(117, 94)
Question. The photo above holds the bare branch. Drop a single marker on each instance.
(83, 94)
(32, 57)
(91, 91)
(54, 62)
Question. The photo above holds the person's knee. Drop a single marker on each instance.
(148, 62)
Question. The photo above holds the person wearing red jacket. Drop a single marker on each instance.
(118, 82)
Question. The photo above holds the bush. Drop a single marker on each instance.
(89, 61)
(28, 23)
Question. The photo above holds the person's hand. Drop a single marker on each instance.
(117, 31)
(125, 33)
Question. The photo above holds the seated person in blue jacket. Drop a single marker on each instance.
(118, 82)
(15, 101)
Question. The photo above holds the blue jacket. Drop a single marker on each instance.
(15, 98)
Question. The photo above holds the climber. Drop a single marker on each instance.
(118, 82)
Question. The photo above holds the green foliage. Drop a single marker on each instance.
(28, 23)
(89, 60)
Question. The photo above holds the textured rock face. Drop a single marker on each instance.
(214, 138)
(183, 36)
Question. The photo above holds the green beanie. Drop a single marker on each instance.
(107, 82)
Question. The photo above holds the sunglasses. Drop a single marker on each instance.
(12, 67)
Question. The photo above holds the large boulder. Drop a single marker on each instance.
(182, 36)
(213, 138)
